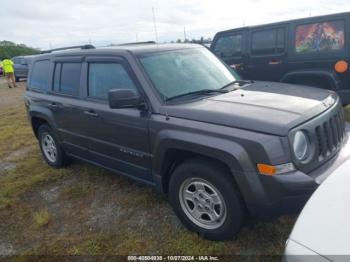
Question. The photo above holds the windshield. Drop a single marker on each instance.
(179, 72)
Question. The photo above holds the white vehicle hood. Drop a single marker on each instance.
(324, 224)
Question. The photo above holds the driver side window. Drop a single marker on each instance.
(229, 45)
(106, 76)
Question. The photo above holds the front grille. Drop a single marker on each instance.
(327, 135)
(330, 134)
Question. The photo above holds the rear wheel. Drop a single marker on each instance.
(51, 149)
(205, 199)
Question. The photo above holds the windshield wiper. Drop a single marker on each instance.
(239, 82)
(199, 92)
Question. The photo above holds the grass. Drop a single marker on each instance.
(85, 210)
(42, 217)
(78, 191)
(30, 171)
(14, 129)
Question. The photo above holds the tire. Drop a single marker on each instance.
(57, 158)
(16, 79)
(192, 177)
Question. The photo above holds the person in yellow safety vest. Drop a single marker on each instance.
(9, 72)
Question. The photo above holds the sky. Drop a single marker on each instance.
(50, 24)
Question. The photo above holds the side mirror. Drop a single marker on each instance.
(124, 98)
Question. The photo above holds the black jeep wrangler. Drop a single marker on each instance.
(311, 51)
(177, 118)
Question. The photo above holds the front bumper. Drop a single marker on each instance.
(287, 193)
(296, 252)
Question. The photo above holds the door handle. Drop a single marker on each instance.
(91, 113)
(275, 62)
(236, 66)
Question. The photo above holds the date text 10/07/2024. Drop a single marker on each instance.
(173, 258)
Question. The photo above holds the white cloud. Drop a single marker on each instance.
(42, 23)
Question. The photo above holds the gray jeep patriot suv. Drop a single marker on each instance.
(177, 118)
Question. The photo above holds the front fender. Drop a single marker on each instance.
(231, 153)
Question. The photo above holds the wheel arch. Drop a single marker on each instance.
(300, 76)
(172, 151)
(39, 117)
(175, 157)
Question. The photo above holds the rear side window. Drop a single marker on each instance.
(320, 37)
(106, 76)
(67, 78)
(268, 41)
(229, 45)
(15, 60)
(40, 75)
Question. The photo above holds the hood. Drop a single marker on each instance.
(323, 225)
(266, 107)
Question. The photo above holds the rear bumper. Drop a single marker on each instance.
(283, 194)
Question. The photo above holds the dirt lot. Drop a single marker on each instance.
(87, 210)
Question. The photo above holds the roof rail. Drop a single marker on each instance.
(67, 48)
(138, 43)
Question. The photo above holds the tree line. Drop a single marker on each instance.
(10, 49)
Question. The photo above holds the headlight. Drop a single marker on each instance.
(301, 145)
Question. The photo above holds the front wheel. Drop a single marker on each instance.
(205, 199)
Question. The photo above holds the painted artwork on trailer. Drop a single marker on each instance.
(319, 37)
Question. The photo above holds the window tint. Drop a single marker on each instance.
(268, 41)
(40, 75)
(70, 78)
(320, 37)
(106, 76)
(229, 45)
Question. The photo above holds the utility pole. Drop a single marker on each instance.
(137, 37)
(155, 25)
(185, 36)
